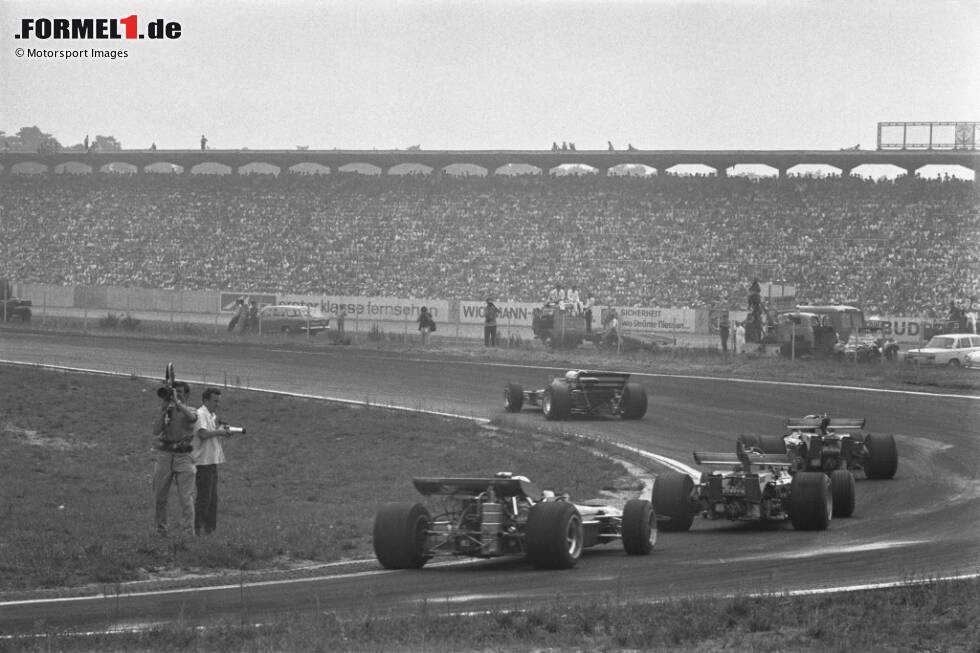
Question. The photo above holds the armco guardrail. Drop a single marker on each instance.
(454, 317)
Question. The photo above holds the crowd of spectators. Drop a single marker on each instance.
(903, 247)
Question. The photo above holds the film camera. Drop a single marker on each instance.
(166, 392)
(232, 430)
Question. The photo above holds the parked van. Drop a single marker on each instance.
(817, 329)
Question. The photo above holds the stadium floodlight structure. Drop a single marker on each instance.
(928, 135)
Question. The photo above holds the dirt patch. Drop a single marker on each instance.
(35, 439)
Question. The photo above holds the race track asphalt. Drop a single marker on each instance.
(924, 523)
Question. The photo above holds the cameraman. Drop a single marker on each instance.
(174, 429)
(208, 454)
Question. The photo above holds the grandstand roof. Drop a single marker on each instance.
(782, 160)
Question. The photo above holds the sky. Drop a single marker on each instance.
(497, 74)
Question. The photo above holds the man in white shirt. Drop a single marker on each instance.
(575, 300)
(208, 454)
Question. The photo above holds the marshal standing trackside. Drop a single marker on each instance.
(96, 28)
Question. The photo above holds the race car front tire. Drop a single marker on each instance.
(882, 462)
(810, 503)
(672, 501)
(400, 532)
(842, 490)
(513, 397)
(554, 537)
(557, 401)
(639, 527)
(634, 403)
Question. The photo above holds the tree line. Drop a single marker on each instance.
(33, 139)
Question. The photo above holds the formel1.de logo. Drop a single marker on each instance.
(97, 28)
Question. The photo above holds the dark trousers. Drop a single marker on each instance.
(490, 335)
(206, 506)
(724, 338)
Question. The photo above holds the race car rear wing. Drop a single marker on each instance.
(472, 487)
(838, 423)
(728, 459)
(591, 378)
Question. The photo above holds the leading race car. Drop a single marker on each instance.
(582, 392)
(744, 486)
(823, 443)
(505, 515)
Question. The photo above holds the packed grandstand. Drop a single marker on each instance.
(907, 246)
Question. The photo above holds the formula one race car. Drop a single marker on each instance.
(822, 443)
(505, 515)
(582, 392)
(744, 486)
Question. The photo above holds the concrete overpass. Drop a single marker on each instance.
(720, 160)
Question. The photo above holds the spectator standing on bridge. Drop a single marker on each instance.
(490, 313)
(204, 143)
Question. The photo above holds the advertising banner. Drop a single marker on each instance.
(228, 300)
(511, 313)
(377, 309)
(906, 329)
(631, 318)
(640, 319)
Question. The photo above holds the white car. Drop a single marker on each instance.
(292, 318)
(948, 349)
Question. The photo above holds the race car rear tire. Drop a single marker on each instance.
(764, 443)
(634, 402)
(672, 501)
(400, 531)
(810, 503)
(554, 536)
(882, 460)
(513, 397)
(557, 401)
(639, 527)
(842, 490)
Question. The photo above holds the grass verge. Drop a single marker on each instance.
(938, 616)
(302, 486)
